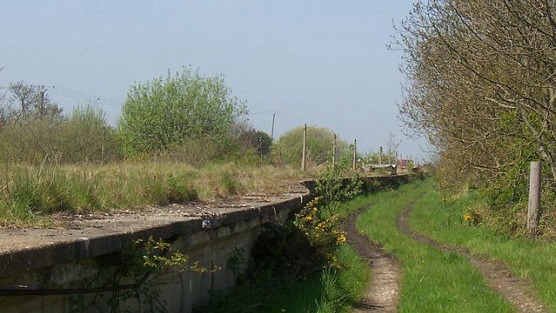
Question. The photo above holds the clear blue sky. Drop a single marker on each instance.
(319, 62)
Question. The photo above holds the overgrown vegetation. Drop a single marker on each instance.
(181, 138)
(330, 290)
(481, 89)
(306, 253)
(130, 279)
(30, 192)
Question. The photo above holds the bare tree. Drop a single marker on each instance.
(482, 79)
(32, 101)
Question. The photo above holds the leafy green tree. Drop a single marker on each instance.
(256, 140)
(169, 111)
(319, 145)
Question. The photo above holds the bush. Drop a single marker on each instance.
(168, 112)
(83, 137)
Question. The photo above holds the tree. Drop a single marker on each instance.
(319, 145)
(31, 102)
(170, 111)
(256, 140)
(482, 89)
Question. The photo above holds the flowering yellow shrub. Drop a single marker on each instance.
(323, 234)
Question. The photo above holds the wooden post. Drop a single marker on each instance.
(354, 154)
(534, 197)
(41, 102)
(272, 129)
(334, 151)
(304, 147)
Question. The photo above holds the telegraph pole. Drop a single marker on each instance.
(41, 102)
(304, 147)
(272, 129)
(334, 151)
(354, 154)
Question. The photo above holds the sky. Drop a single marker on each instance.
(317, 62)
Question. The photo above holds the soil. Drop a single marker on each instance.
(496, 274)
(384, 291)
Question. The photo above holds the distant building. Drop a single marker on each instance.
(405, 164)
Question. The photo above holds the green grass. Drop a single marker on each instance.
(433, 281)
(528, 259)
(326, 291)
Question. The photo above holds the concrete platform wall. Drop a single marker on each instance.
(68, 276)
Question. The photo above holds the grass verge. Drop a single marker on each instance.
(433, 280)
(30, 192)
(457, 222)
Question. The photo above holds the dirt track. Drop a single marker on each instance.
(384, 290)
(496, 274)
(383, 293)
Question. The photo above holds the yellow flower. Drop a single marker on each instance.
(467, 217)
(341, 238)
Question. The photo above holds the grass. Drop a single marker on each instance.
(30, 192)
(330, 290)
(433, 280)
(529, 259)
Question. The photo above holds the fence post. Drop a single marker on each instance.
(534, 197)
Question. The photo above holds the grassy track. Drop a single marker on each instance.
(433, 281)
(528, 259)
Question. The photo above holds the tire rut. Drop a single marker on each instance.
(496, 274)
(384, 291)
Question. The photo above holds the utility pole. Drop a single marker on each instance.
(334, 151)
(354, 154)
(272, 129)
(304, 147)
(41, 102)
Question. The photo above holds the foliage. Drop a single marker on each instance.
(83, 137)
(327, 291)
(323, 234)
(481, 88)
(91, 139)
(319, 220)
(170, 111)
(289, 146)
(256, 140)
(134, 274)
(333, 186)
(284, 251)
